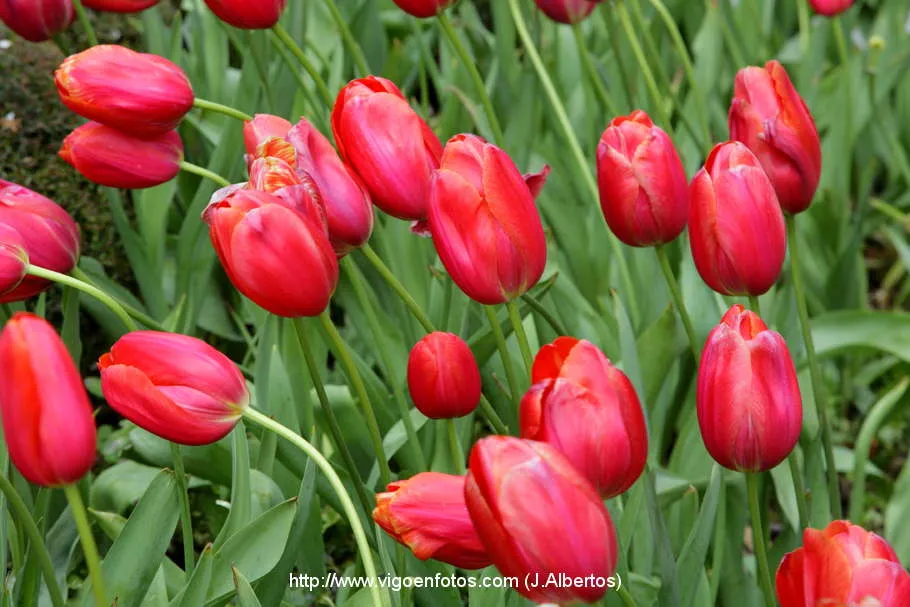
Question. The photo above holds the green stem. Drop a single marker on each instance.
(841, 40)
(678, 301)
(613, 36)
(470, 65)
(89, 548)
(195, 169)
(396, 286)
(27, 523)
(805, 40)
(600, 88)
(142, 317)
(332, 477)
(85, 23)
(519, 328)
(818, 388)
(292, 64)
(492, 417)
(758, 539)
(754, 304)
(349, 41)
(347, 361)
(455, 446)
(626, 597)
(95, 292)
(545, 314)
(800, 490)
(203, 104)
(186, 521)
(503, 353)
(285, 38)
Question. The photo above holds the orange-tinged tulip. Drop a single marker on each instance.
(175, 386)
(423, 8)
(567, 11)
(247, 14)
(120, 6)
(427, 513)
(261, 129)
(47, 419)
(830, 8)
(37, 20)
(749, 407)
(443, 377)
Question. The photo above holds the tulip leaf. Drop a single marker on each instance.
(122, 485)
(196, 589)
(241, 498)
(691, 562)
(246, 597)
(837, 332)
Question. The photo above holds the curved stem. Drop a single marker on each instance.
(347, 361)
(204, 104)
(455, 446)
(545, 314)
(95, 292)
(503, 353)
(195, 169)
(471, 67)
(399, 288)
(600, 88)
(800, 490)
(818, 388)
(186, 521)
(89, 547)
(758, 539)
(490, 414)
(349, 41)
(285, 38)
(678, 301)
(27, 523)
(519, 328)
(347, 505)
(142, 317)
(85, 23)
(626, 597)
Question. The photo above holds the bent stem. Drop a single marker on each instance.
(455, 446)
(186, 521)
(332, 477)
(396, 286)
(678, 302)
(89, 547)
(518, 327)
(142, 317)
(195, 169)
(758, 539)
(27, 523)
(503, 353)
(626, 597)
(85, 287)
(285, 38)
(85, 23)
(204, 104)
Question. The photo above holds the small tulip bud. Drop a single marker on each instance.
(443, 376)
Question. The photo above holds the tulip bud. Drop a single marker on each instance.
(749, 407)
(13, 259)
(643, 190)
(588, 410)
(539, 517)
(49, 236)
(443, 376)
(274, 251)
(120, 6)
(736, 226)
(567, 11)
(484, 223)
(140, 94)
(769, 116)
(390, 147)
(842, 565)
(258, 15)
(117, 160)
(427, 513)
(37, 20)
(830, 8)
(423, 8)
(175, 386)
(47, 419)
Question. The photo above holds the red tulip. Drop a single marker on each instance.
(258, 15)
(48, 421)
(427, 513)
(37, 20)
(538, 516)
(769, 116)
(842, 565)
(175, 386)
(423, 8)
(261, 129)
(140, 94)
(274, 251)
(13, 259)
(736, 227)
(484, 223)
(443, 376)
(46, 233)
(114, 159)
(567, 11)
(587, 409)
(749, 407)
(643, 190)
(829, 8)
(387, 144)
(120, 6)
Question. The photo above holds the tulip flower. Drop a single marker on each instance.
(736, 226)
(270, 174)
(485, 226)
(140, 94)
(13, 259)
(390, 147)
(274, 251)
(588, 410)
(261, 129)
(643, 189)
(175, 386)
(37, 20)
(258, 15)
(830, 8)
(48, 422)
(842, 565)
(567, 11)
(114, 159)
(443, 376)
(749, 407)
(423, 8)
(539, 517)
(427, 513)
(45, 232)
(120, 6)
(769, 116)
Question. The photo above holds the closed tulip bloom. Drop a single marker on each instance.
(567, 11)
(120, 6)
(769, 116)
(587, 409)
(44, 231)
(115, 159)
(140, 94)
(390, 147)
(538, 516)
(830, 8)
(47, 419)
(443, 376)
(736, 226)
(842, 565)
(424, 8)
(485, 226)
(274, 251)
(427, 513)
(37, 20)
(258, 15)
(749, 407)
(644, 194)
(175, 386)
